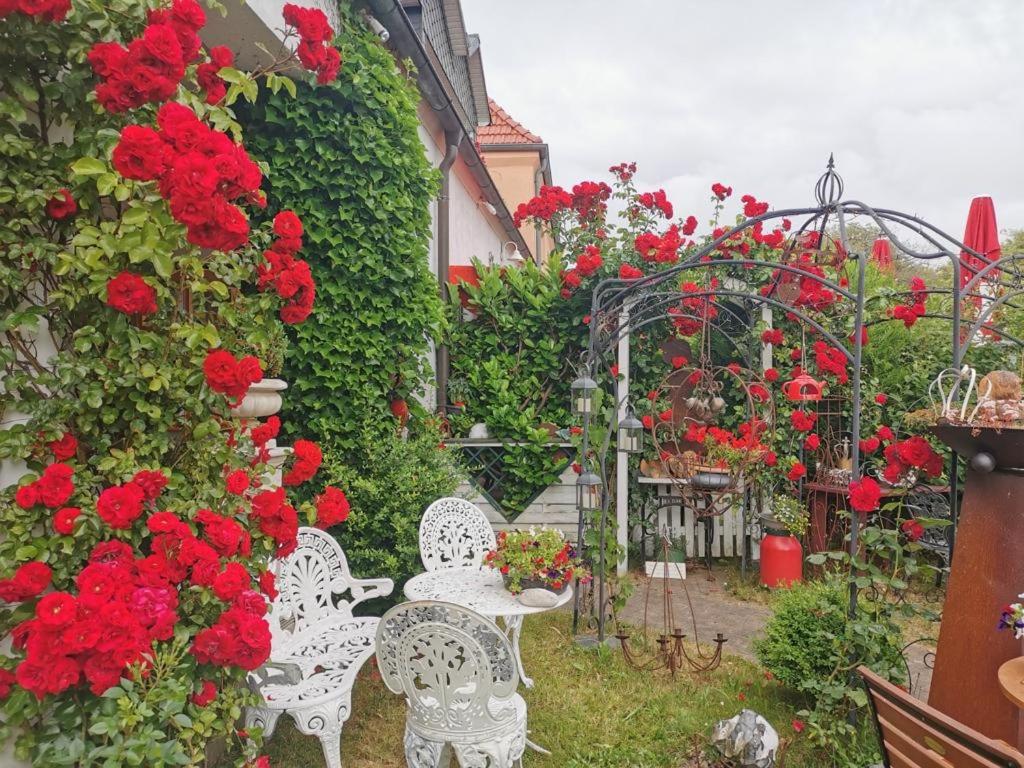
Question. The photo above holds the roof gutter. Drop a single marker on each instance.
(404, 38)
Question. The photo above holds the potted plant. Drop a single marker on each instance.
(536, 559)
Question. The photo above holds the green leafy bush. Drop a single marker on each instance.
(389, 488)
(348, 159)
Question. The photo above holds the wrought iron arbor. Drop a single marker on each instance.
(622, 307)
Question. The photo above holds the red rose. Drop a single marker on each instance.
(151, 481)
(629, 272)
(884, 433)
(331, 507)
(798, 726)
(266, 431)
(28, 581)
(812, 442)
(130, 294)
(881, 398)
(64, 520)
(63, 448)
(679, 361)
(206, 694)
(912, 529)
(27, 496)
(665, 415)
(796, 471)
(287, 224)
(771, 374)
(648, 421)
(140, 154)
(720, 190)
(772, 336)
(308, 458)
(803, 421)
(62, 205)
(865, 495)
(869, 445)
(237, 482)
(231, 582)
(267, 586)
(57, 609)
(55, 486)
(120, 505)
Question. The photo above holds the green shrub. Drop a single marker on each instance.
(389, 488)
(800, 640)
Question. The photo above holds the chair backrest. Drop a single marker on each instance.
(915, 735)
(454, 532)
(449, 662)
(310, 582)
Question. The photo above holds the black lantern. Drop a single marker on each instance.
(588, 491)
(631, 433)
(583, 390)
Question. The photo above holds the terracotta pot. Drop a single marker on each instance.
(261, 400)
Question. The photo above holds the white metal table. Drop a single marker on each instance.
(480, 589)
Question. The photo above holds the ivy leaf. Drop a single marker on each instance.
(162, 264)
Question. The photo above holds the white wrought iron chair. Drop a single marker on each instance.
(454, 532)
(459, 677)
(314, 633)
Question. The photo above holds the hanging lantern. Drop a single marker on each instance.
(583, 390)
(631, 433)
(803, 389)
(588, 492)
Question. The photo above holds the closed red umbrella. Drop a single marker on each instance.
(881, 253)
(981, 235)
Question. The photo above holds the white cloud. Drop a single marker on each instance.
(922, 102)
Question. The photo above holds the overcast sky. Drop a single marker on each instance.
(922, 101)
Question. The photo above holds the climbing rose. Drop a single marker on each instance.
(27, 496)
(865, 495)
(287, 224)
(629, 272)
(208, 73)
(120, 505)
(28, 581)
(55, 486)
(331, 507)
(130, 294)
(803, 421)
(912, 529)
(231, 582)
(237, 482)
(796, 471)
(64, 447)
(720, 191)
(771, 374)
(206, 694)
(151, 481)
(64, 520)
(141, 153)
(772, 336)
(812, 442)
(230, 376)
(307, 461)
(39, 10)
(62, 205)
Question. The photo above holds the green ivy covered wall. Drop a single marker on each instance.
(349, 161)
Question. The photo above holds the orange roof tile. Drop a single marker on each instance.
(504, 129)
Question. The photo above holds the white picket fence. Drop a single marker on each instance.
(729, 531)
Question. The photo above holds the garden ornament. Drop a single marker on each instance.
(747, 738)
(946, 401)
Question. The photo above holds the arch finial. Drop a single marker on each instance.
(829, 189)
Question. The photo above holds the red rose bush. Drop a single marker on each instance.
(136, 569)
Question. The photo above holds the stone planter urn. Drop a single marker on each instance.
(261, 400)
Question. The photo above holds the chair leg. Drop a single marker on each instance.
(330, 742)
(255, 717)
(420, 753)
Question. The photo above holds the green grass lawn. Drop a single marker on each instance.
(588, 707)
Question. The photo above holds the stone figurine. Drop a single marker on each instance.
(748, 739)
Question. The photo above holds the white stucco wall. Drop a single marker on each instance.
(256, 21)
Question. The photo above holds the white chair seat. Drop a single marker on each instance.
(330, 656)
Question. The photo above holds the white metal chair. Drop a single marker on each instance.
(454, 532)
(459, 677)
(313, 628)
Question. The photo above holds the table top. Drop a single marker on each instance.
(478, 588)
(1011, 680)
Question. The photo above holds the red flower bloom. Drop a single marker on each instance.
(237, 482)
(231, 582)
(287, 224)
(803, 421)
(912, 529)
(120, 505)
(151, 481)
(27, 496)
(629, 272)
(55, 486)
(772, 336)
(865, 495)
(141, 153)
(63, 448)
(796, 471)
(720, 191)
(308, 458)
(647, 421)
(64, 520)
(812, 442)
(798, 726)
(28, 581)
(206, 694)
(869, 445)
(331, 508)
(229, 376)
(62, 205)
(884, 433)
(130, 294)
(881, 398)
(771, 374)
(266, 431)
